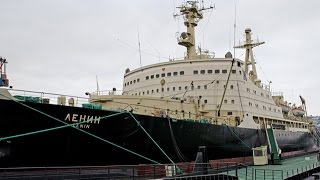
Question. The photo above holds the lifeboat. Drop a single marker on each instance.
(285, 109)
(298, 111)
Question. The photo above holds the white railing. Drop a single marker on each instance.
(265, 86)
(108, 92)
(277, 93)
(49, 98)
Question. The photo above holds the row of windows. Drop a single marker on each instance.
(255, 92)
(164, 75)
(168, 89)
(264, 107)
(210, 71)
(217, 71)
(132, 82)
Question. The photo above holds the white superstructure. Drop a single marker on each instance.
(201, 87)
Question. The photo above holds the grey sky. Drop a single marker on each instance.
(60, 46)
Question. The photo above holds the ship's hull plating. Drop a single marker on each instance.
(69, 146)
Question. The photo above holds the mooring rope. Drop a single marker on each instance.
(83, 131)
(152, 139)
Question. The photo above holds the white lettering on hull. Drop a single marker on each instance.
(76, 118)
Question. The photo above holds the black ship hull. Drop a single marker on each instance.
(90, 143)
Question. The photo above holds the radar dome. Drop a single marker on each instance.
(247, 30)
(228, 55)
(184, 35)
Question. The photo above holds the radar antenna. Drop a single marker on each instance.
(192, 14)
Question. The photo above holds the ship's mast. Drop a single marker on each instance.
(249, 59)
(192, 15)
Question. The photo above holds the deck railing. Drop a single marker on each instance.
(48, 98)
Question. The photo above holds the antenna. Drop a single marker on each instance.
(234, 28)
(97, 84)
(139, 45)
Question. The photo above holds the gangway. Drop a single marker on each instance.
(273, 146)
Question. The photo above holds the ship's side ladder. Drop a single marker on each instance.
(273, 146)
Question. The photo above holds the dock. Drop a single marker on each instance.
(292, 168)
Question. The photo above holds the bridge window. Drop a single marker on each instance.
(168, 89)
(224, 71)
(174, 88)
(210, 71)
(231, 87)
(225, 101)
(152, 76)
(186, 87)
(157, 75)
(138, 80)
(130, 82)
(147, 77)
(205, 101)
(238, 63)
(234, 71)
(203, 71)
(157, 90)
(175, 73)
(168, 74)
(179, 88)
(181, 72)
(152, 91)
(232, 101)
(199, 87)
(217, 71)
(134, 81)
(205, 86)
(195, 72)
(163, 75)
(229, 113)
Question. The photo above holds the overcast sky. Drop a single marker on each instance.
(60, 46)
